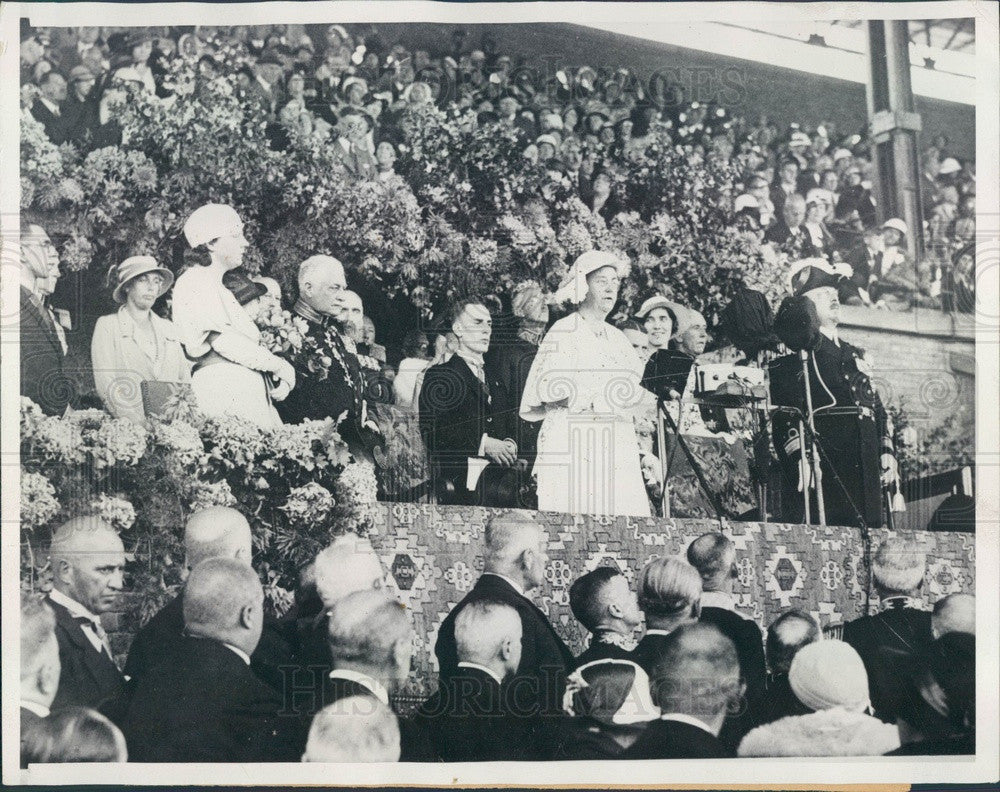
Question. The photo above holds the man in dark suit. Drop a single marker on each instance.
(202, 703)
(370, 639)
(469, 717)
(43, 342)
(47, 108)
(603, 602)
(351, 148)
(339, 390)
(88, 560)
(216, 532)
(787, 634)
(714, 556)
(461, 427)
(39, 674)
(900, 628)
(514, 563)
(694, 683)
(670, 596)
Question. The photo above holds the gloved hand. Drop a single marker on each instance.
(890, 469)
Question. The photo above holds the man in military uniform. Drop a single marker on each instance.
(337, 390)
(852, 427)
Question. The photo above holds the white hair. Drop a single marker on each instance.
(354, 729)
(349, 564)
(482, 627)
(898, 566)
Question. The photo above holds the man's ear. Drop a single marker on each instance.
(402, 653)
(734, 571)
(247, 616)
(62, 570)
(696, 610)
(615, 610)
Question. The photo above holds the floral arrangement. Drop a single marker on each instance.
(467, 213)
(297, 484)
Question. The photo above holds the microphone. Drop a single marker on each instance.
(797, 324)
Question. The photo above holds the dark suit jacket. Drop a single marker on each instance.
(81, 118)
(204, 704)
(881, 640)
(667, 739)
(414, 738)
(55, 125)
(468, 720)
(746, 637)
(586, 739)
(507, 367)
(777, 702)
(545, 659)
(89, 678)
(599, 650)
(648, 651)
(455, 412)
(164, 633)
(42, 377)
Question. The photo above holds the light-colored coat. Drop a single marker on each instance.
(121, 364)
(832, 732)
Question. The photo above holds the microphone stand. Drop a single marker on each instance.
(805, 357)
(664, 415)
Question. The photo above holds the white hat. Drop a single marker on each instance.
(657, 301)
(339, 30)
(898, 224)
(353, 81)
(800, 139)
(212, 221)
(828, 674)
(819, 195)
(554, 120)
(574, 286)
(547, 139)
(841, 153)
(745, 201)
(949, 166)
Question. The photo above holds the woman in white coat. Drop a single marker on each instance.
(584, 386)
(233, 374)
(134, 345)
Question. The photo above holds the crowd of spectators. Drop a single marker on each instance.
(807, 189)
(212, 678)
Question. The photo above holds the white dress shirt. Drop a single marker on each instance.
(717, 599)
(33, 706)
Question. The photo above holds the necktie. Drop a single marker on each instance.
(98, 629)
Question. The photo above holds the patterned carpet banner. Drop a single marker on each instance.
(434, 555)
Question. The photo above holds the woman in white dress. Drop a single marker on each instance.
(233, 374)
(584, 385)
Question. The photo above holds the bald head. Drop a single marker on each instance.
(354, 729)
(489, 633)
(371, 632)
(516, 547)
(216, 532)
(787, 634)
(697, 674)
(348, 565)
(88, 562)
(223, 600)
(955, 613)
(714, 556)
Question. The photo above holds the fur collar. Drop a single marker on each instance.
(832, 732)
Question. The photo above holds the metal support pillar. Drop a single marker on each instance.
(893, 124)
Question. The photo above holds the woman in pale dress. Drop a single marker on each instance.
(233, 374)
(584, 386)
(134, 345)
